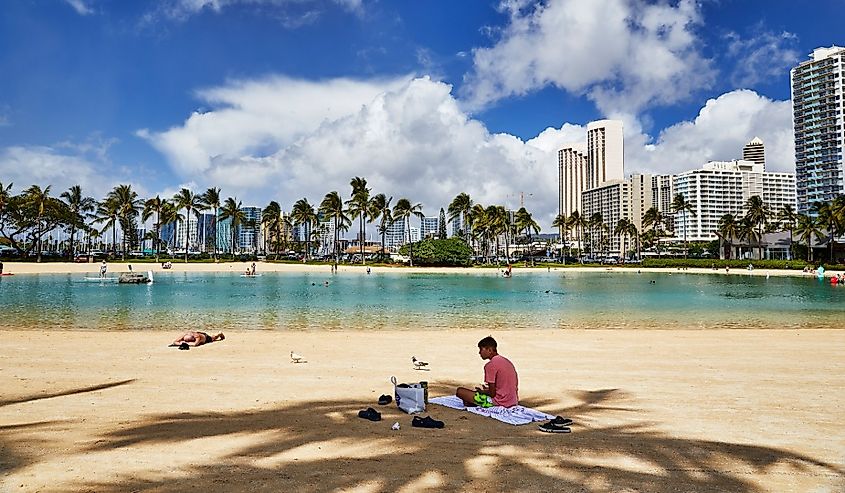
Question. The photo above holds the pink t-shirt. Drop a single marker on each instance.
(500, 371)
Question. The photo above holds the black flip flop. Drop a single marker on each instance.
(561, 421)
(426, 422)
(384, 400)
(550, 427)
(184, 346)
(370, 414)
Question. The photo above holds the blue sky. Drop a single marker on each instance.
(284, 99)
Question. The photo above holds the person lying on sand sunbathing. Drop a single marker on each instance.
(500, 380)
(194, 338)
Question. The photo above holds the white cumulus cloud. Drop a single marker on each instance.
(622, 54)
(413, 139)
(80, 6)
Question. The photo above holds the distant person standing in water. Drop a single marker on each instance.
(103, 269)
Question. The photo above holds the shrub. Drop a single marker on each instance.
(452, 252)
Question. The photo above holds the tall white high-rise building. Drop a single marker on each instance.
(249, 235)
(588, 165)
(818, 118)
(720, 188)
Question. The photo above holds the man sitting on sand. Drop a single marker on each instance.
(500, 380)
(193, 338)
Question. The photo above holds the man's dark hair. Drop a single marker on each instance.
(487, 342)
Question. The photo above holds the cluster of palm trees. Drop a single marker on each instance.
(826, 221)
(484, 227)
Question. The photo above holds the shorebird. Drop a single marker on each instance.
(296, 358)
(418, 365)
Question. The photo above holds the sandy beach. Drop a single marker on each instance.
(93, 268)
(655, 411)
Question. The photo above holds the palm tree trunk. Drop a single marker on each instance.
(187, 227)
(363, 235)
(215, 235)
(686, 247)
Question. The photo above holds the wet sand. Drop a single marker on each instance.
(656, 411)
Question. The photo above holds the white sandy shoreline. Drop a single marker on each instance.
(238, 267)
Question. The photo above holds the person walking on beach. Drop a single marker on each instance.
(195, 338)
(500, 380)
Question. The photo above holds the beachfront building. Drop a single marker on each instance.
(818, 118)
(173, 235)
(647, 191)
(429, 226)
(205, 231)
(456, 228)
(613, 201)
(723, 187)
(395, 236)
(584, 166)
(249, 235)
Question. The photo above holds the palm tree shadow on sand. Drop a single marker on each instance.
(324, 446)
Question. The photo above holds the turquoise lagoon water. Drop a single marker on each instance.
(405, 300)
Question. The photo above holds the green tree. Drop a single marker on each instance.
(654, 219)
(441, 253)
(128, 206)
(788, 220)
(273, 222)
(728, 229)
(359, 207)
(211, 198)
(303, 213)
(380, 210)
(441, 225)
(757, 213)
(460, 207)
(231, 210)
(578, 222)
(79, 206)
(680, 204)
(332, 207)
(622, 230)
(193, 204)
(155, 205)
(403, 210)
(595, 223)
(525, 223)
(560, 222)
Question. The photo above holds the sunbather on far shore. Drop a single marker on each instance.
(195, 338)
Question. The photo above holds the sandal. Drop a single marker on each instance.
(426, 422)
(370, 414)
(550, 427)
(384, 400)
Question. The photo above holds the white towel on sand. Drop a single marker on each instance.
(514, 415)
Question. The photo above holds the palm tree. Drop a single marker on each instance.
(525, 223)
(748, 232)
(108, 212)
(359, 207)
(578, 222)
(806, 228)
(332, 206)
(39, 198)
(192, 203)
(273, 221)
(560, 223)
(788, 220)
(654, 219)
(303, 213)
(78, 205)
(622, 229)
(460, 207)
(633, 233)
(829, 217)
(757, 214)
(155, 206)
(404, 210)
(231, 209)
(728, 229)
(380, 208)
(211, 198)
(128, 206)
(680, 204)
(595, 222)
(5, 195)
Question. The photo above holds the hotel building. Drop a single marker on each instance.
(723, 187)
(429, 226)
(818, 118)
(584, 166)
